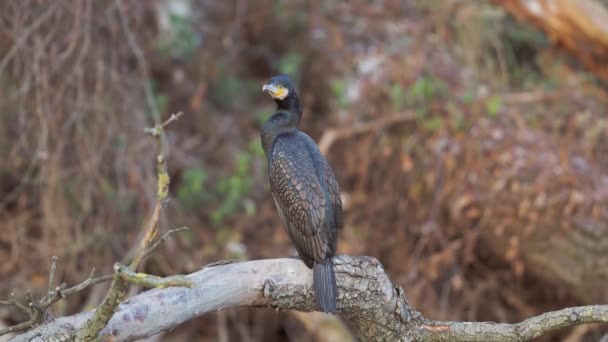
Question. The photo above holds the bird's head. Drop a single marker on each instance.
(279, 87)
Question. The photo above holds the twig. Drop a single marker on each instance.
(162, 191)
(24, 35)
(39, 314)
(86, 283)
(151, 229)
(62, 291)
(162, 239)
(16, 328)
(149, 280)
(12, 301)
(28, 297)
(37, 311)
(156, 130)
(52, 275)
(172, 118)
(330, 136)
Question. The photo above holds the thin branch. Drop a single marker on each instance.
(14, 302)
(539, 325)
(62, 291)
(24, 35)
(526, 330)
(16, 328)
(86, 283)
(52, 275)
(156, 130)
(150, 231)
(162, 239)
(172, 118)
(151, 281)
(330, 136)
(37, 311)
(162, 192)
(119, 287)
(28, 297)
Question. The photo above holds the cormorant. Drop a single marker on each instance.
(304, 190)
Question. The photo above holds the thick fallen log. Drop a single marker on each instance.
(376, 309)
(581, 26)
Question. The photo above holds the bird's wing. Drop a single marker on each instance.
(332, 189)
(300, 198)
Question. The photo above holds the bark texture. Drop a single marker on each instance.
(376, 309)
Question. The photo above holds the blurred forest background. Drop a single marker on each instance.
(471, 147)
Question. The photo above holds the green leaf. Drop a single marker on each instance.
(493, 105)
(397, 95)
(338, 89)
(433, 123)
(468, 97)
(191, 192)
(290, 64)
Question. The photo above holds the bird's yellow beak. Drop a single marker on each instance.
(277, 92)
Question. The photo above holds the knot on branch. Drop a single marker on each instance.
(268, 288)
(365, 275)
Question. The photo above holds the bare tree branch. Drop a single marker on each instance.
(37, 310)
(16, 328)
(122, 277)
(375, 307)
(14, 302)
(149, 280)
(161, 240)
(524, 331)
(52, 275)
(120, 285)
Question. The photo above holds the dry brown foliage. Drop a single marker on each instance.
(75, 177)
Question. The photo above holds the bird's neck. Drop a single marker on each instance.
(286, 119)
(291, 104)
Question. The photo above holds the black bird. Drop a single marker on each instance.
(304, 189)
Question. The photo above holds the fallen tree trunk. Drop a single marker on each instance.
(376, 308)
(581, 26)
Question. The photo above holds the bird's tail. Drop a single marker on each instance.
(324, 284)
